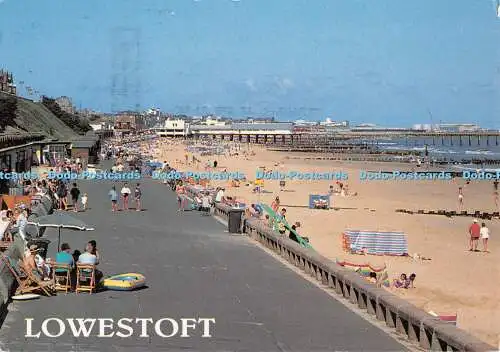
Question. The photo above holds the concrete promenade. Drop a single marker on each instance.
(193, 269)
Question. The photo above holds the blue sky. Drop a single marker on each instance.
(388, 62)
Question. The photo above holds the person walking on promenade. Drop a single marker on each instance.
(485, 235)
(137, 196)
(62, 193)
(75, 194)
(180, 196)
(113, 196)
(474, 232)
(125, 194)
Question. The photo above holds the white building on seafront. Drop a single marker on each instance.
(173, 128)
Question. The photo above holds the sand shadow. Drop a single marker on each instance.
(130, 209)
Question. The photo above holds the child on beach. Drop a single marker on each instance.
(137, 196)
(85, 199)
(113, 196)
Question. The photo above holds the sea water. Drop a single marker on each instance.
(448, 148)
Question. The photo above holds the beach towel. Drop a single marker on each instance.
(375, 243)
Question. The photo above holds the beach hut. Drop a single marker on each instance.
(375, 242)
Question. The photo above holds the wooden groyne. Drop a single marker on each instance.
(451, 213)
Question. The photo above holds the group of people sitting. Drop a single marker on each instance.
(12, 221)
(34, 261)
(256, 211)
(404, 281)
(382, 279)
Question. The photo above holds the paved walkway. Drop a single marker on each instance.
(193, 269)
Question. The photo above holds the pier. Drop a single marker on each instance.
(284, 137)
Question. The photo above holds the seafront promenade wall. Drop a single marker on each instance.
(408, 321)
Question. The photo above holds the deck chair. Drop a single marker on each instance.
(62, 277)
(85, 278)
(27, 282)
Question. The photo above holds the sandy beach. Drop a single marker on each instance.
(454, 281)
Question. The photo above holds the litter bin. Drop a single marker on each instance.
(42, 244)
(234, 222)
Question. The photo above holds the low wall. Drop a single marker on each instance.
(406, 319)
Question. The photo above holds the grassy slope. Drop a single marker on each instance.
(34, 117)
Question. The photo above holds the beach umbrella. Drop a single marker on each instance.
(60, 220)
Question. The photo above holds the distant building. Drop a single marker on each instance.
(242, 129)
(66, 104)
(305, 123)
(100, 125)
(213, 121)
(153, 112)
(425, 127)
(88, 112)
(335, 124)
(127, 123)
(173, 128)
(7, 83)
(458, 127)
(366, 125)
(258, 120)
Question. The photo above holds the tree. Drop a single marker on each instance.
(8, 108)
(73, 121)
